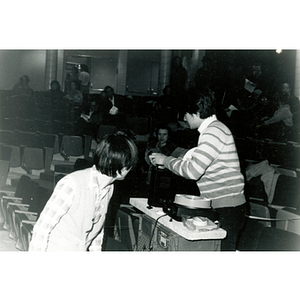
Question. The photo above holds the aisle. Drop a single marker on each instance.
(6, 244)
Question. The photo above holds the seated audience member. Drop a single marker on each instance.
(75, 95)
(257, 83)
(56, 94)
(280, 124)
(253, 117)
(293, 102)
(162, 144)
(74, 216)
(113, 99)
(74, 101)
(22, 87)
(111, 109)
(90, 120)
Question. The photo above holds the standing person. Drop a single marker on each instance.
(203, 76)
(73, 218)
(73, 76)
(214, 164)
(85, 81)
(178, 82)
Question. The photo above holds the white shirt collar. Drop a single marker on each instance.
(206, 122)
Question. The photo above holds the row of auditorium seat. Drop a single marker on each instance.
(34, 150)
(41, 106)
(40, 125)
(21, 208)
(286, 154)
(277, 223)
(272, 225)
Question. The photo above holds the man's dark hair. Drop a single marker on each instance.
(108, 88)
(84, 68)
(115, 152)
(203, 102)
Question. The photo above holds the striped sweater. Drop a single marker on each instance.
(214, 164)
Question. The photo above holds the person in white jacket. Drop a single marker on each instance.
(73, 218)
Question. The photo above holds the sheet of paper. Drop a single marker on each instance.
(249, 86)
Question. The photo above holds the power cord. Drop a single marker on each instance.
(155, 224)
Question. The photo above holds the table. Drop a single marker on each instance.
(174, 233)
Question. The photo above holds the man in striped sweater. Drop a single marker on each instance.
(214, 164)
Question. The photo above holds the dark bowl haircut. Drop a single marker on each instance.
(115, 152)
(203, 102)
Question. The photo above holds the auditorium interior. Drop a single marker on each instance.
(44, 137)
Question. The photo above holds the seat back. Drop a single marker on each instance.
(28, 125)
(127, 226)
(25, 234)
(4, 170)
(104, 130)
(51, 141)
(287, 192)
(5, 152)
(33, 159)
(39, 198)
(275, 239)
(290, 220)
(260, 210)
(81, 164)
(71, 146)
(140, 125)
(15, 160)
(22, 185)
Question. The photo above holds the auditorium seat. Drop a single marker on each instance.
(4, 170)
(28, 125)
(23, 193)
(26, 228)
(30, 212)
(275, 239)
(71, 146)
(104, 130)
(13, 192)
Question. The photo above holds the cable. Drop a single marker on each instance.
(155, 224)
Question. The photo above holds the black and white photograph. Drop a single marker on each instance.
(165, 140)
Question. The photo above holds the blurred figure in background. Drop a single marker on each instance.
(22, 87)
(73, 76)
(56, 94)
(74, 96)
(84, 79)
(279, 126)
(178, 83)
